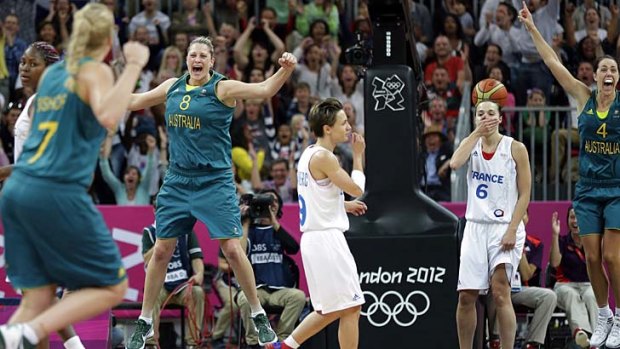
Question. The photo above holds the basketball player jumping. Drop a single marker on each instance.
(323, 218)
(498, 183)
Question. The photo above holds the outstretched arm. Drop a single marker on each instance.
(572, 86)
(150, 98)
(229, 90)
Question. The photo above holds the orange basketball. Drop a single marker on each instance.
(489, 90)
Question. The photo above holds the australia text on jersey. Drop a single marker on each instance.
(182, 120)
(605, 148)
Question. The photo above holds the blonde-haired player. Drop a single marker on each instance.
(54, 234)
(499, 182)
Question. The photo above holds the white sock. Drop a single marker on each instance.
(74, 343)
(148, 320)
(257, 311)
(30, 334)
(605, 311)
(291, 342)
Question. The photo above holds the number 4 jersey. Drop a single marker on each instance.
(492, 184)
(321, 202)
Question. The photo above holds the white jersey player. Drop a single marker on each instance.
(499, 182)
(323, 219)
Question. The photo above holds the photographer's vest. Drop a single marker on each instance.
(265, 254)
(179, 267)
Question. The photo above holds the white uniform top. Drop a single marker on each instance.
(492, 184)
(22, 128)
(321, 203)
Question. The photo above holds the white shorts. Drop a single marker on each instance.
(481, 253)
(331, 273)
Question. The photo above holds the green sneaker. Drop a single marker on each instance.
(140, 334)
(263, 327)
(12, 337)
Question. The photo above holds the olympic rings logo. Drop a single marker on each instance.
(394, 312)
(393, 85)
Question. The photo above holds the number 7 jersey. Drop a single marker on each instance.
(65, 136)
(492, 184)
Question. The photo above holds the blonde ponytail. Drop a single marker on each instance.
(93, 27)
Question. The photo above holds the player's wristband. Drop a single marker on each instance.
(359, 178)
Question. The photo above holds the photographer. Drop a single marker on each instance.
(266, 241)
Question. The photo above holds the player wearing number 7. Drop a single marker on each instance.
(597, 193)
(54, 235)
(499, 184)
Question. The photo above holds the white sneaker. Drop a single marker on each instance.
(603, 326)
(581, 339)
(12, 337)
(613, 340)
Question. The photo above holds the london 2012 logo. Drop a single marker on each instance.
(392, 306)
(387, 93)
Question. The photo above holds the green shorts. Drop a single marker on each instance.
(54, 235)
(209, 197)
(597, 206)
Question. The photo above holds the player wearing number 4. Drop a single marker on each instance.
(498, 181)
(199, 183)
(598, 188)
(335, 295)
(54, 234)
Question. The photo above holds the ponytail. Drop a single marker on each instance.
(77, 44)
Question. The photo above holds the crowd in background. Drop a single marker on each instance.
(455, 45)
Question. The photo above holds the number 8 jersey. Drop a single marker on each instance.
(321, 202)
(492, 184)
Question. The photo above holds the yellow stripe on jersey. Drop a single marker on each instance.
(602, 114)
(190, 87)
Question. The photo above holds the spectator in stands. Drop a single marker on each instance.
(436, 114)
(465, 18)
(536, 127)
(302, 101)
(7, 128)
(454, 32)
(443, 57)
(138, 151)
(316, 71)
(171, 66)
(350, 88)
(229, 11)
(436, 155)
(120, 18)
(493, 57)
(316, 9)
(14, 48)
(588, 49)
(499, 30)
(283, 180)
(421, 16)
(509, 121)
(244, 153)
(141, 35)
(46, 32)
(134, 190)
(190, 20)
(184, 279)
(61, 17)
(532, 71)
(260, 55)
(357, 125)
(266, 243)
(573, 288)
(4, 71)
(561, 138)
(442, 87)
(526, 291)
(181, 41)
(156, 22)
(579, 14)
(592, 26)
(268, 17)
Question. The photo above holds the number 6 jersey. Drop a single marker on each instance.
(492, 184)
(321, 203)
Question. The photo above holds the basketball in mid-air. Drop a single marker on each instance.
(489, 90)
